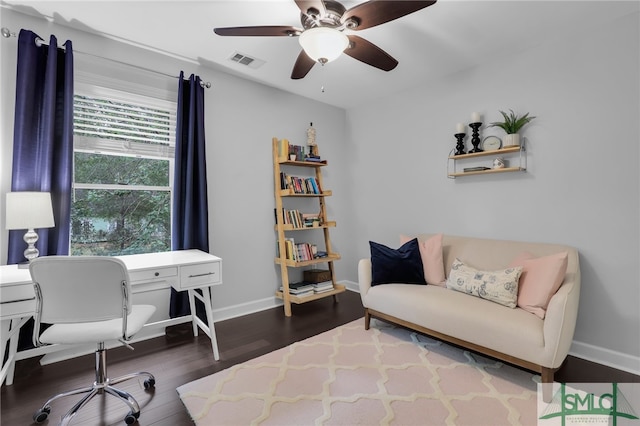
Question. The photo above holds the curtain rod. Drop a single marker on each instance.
(7, 33)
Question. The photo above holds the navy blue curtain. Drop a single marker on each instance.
(43, 143)
(43, 137)
(190, 226)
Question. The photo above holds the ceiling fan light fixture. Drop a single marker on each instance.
(323, 44)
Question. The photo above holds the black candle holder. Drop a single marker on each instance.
(460, 145)
(475, 138)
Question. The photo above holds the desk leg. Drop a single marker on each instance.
(208, 328)
(13, 348)
(192, 307)
(5, 327)
(206, 292)
(9, 332)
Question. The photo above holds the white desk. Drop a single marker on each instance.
(183, 270)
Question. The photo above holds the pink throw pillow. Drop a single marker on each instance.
(432, 260)
(540, 280)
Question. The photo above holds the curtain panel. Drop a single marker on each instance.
(43, 137)
(190, 223)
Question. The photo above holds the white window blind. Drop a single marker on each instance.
(112, 122)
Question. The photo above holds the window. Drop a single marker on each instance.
(123, 172)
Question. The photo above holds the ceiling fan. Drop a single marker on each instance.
(322, 37)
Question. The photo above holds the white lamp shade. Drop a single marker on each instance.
(323, 44)
(29, 210)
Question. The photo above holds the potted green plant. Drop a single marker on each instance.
(511, 125)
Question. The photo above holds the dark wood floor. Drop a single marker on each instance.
(178, 358)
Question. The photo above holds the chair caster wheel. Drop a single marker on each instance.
(41, 415)
(131, 418)
(149, 383)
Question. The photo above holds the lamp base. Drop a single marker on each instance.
(31, 238)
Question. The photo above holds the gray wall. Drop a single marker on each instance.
(582, 183)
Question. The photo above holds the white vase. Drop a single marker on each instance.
(511, 140)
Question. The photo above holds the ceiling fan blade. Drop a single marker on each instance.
(302, 66)
(269, 31)
(369, 53)
(306, 5)
(376, 12)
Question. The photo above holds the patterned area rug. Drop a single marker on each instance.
(353, 376)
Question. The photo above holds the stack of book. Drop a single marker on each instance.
(300, 289)
(313, 158)
(322, 287)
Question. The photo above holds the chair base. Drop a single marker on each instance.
(101, 385)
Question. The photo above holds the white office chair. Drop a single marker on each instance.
(87, 299)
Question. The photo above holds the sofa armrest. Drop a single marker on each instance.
(560, 319)
(364, 277)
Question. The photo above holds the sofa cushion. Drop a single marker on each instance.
(402, 265)
(432, 260)
(541, 278)
(500, 286)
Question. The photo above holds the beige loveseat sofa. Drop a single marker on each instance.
(513, 335)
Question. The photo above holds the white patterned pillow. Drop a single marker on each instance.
(498, 286)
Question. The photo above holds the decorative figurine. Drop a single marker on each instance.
(475, 138)
(460, 144)
(311, 141)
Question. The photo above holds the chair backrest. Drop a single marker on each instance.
(80, 288)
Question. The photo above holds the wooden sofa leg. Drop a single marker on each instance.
(547, 383)
(367, 319)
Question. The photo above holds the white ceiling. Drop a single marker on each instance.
(444, 38)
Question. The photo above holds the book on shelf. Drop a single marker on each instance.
(299, 252)
(304, 288)
(297, 219)
(322, 286)
(300, 185)
(286, 149)
(314, 159)
(304, 285)
(298, 151)
(300, 289)
(301, 293)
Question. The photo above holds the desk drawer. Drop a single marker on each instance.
(153, 274)
(12, 293)
(23, 308)
(200, 275)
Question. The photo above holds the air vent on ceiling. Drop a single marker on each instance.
(246, 60)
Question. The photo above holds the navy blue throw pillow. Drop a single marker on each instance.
(402, 266)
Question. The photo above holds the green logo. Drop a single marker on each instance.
(589, 407)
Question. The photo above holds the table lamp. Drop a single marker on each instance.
(29, 210)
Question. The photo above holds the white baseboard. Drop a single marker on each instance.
(350, 285)
(614, 359)
(245, 308)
